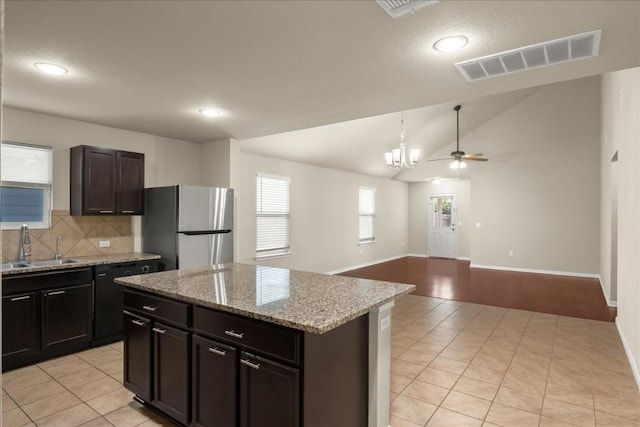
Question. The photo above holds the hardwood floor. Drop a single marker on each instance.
(455, 280)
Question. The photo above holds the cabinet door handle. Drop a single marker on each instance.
(21, 298)
(138, 322)
(218, 352)
(249, 364)
(56, 293)
(234, 334)
(149, 308)
(106, 211)
(160, 331)
(129, 212)
(102, 274)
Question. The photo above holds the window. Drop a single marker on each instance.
(367, 215)
(272, 216)
(25, 193)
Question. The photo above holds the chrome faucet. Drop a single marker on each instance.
(58, 253)
(24, 240)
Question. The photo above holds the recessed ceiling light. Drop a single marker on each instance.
(208, 112)
(451, 43)
(54, 69)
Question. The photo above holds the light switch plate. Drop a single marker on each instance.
(105, 243)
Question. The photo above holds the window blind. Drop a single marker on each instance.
(25, 194)
(26, 163)
(272, 216)
(367, 214)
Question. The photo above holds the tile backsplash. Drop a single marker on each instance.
(81, 236)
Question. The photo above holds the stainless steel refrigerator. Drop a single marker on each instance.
(188, 226)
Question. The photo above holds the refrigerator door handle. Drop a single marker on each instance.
(198, 233)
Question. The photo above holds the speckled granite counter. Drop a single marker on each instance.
(301, 300)
(85, 261)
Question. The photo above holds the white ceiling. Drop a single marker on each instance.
(280, 66)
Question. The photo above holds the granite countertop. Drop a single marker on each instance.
(85, 261)
(310, 302)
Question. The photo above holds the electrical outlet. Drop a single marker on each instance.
(105, 243)
(385, 322)
(478, 225)
(510, 253)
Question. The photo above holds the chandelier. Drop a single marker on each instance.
(398, 157)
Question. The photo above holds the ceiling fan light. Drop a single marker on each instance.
(458, 164)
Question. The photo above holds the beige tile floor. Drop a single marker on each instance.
(80, 389)
(453, 364)
(462, 364)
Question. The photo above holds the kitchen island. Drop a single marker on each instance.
(239, 344)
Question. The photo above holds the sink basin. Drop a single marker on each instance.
(53, 262)
(15, 265)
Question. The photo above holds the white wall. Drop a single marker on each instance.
(418, 215)
(620, 131)
(324, 216)
(539, 194)
(167, 161)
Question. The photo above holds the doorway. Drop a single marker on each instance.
(442, 220)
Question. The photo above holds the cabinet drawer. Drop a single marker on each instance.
(159, 308)
(248, 333)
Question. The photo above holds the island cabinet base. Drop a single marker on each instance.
(226, 370)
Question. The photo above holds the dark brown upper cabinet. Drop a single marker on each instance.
(106, 181)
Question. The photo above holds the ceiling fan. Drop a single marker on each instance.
(458, 156)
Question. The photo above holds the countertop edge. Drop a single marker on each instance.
(266, 318)
(88, 261)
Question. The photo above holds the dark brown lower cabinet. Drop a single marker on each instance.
(61, 325)
(269, 393)
(171, 391)
(19, 326)
(214, 379)
(137, 355)
(215, 369)
(45, 314)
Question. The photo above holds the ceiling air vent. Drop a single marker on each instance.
(553, 52)
(397, 8)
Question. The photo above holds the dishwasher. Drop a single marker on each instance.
(108, 298)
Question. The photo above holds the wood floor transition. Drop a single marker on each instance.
(456, 280)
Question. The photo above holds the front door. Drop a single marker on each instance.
(442, 225)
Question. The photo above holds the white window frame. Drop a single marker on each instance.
(365, 213)
(44, 183)
(276, 252)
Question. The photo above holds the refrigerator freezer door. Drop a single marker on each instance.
(205, 208)
(204, 249)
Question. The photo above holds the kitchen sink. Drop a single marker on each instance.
(15, 265)
(54, 262)
(31, 264)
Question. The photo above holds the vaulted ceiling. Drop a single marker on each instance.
(336, 73)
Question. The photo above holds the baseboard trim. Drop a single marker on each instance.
(627, 350)
(460, 258)
(367, 264)
(604, 293)
(531, 270)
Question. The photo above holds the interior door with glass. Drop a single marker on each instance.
(442, 225)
